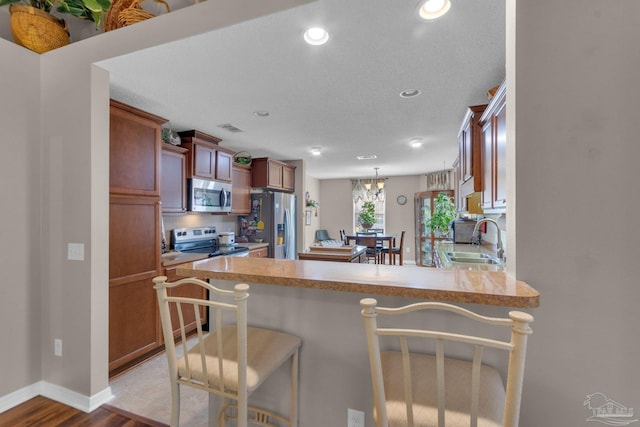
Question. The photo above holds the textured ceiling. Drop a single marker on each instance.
(342, 96)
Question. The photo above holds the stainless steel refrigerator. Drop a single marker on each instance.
(278, 213)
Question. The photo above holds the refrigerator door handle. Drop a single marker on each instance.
(287, 235)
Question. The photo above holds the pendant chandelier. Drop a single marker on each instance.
(375, 189)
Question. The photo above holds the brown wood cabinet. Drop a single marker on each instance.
(173, 189)
(259, 253)
(205, 158)
(241, 191)
(470, 149)
(134, 234)
(494, 143)
(273, 174)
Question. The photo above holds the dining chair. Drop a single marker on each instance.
(413, 389)
(399, 250)
(343, 236)
(232, 360)
(371, 242)
(322, 235)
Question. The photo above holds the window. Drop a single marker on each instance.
(380, 210)
(361, 195)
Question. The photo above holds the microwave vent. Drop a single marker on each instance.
(229, 127)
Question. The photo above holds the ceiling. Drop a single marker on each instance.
(342, 96)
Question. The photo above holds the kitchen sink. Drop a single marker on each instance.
(472, 258)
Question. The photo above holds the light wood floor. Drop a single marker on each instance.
(43, 412)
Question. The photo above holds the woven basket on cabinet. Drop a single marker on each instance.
(122, 13)
(36, 29)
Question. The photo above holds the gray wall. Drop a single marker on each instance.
(20, 216)
(576, 136)
(577, 181)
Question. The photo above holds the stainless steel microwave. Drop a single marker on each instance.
(208, 196)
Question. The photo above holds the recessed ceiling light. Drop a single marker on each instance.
(409, 93)
(261, 113)
(316, 36)
(432, 9)
(367, 157)
(316, 151)
(416, 143)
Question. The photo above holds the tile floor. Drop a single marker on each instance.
(145, 391)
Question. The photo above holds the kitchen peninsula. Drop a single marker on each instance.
(319, 301)
(456, 286)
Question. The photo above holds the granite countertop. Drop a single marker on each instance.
(463, 286)
(172, 258)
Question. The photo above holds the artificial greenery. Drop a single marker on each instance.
(444, 211)
(91, 10)
(368, 214)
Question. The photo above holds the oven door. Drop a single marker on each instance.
(208, 196)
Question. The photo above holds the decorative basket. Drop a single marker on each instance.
(36, 29)
(242, 157)
(123, 13)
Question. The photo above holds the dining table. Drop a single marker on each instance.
(380, 238)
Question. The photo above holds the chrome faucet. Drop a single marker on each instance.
(500, 251)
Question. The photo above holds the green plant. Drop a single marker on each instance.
(91, 10)
(368, 214)
(444, 211)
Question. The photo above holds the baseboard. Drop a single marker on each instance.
(10, 400)
(57, 393)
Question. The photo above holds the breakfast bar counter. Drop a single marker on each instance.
(457, 286)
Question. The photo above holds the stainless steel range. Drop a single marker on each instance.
(203, 240)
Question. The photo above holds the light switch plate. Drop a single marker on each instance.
(75, 251)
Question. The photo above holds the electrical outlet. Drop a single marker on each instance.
(407, 250)
(355, 418)
(57, 347)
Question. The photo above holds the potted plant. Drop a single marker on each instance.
(367, 217)
(444, 212)
(34, 27)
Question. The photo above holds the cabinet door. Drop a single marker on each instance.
(466, 152)
(173, 189)
(223, 166)
(259, 253)
(500, 158)
(288, 178)
(274, 174)
(241, 191)
(487, 163)
(134, 151)
(134, 260)
(204, 161)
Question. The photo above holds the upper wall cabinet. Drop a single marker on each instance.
(273, 174)
(174, 185)
(241, 194)
(494, 143)
(205, 158)
(470, 150)
(135, 151)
